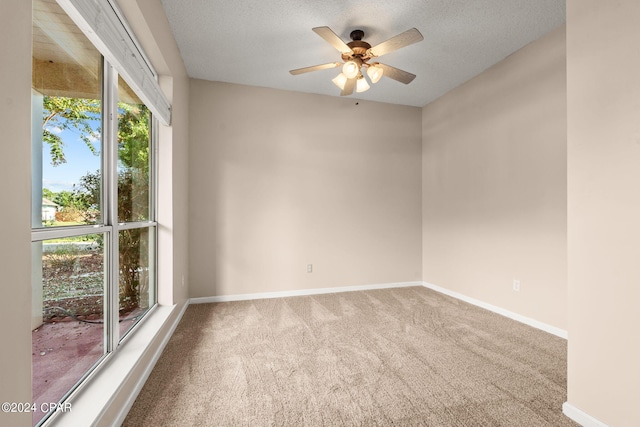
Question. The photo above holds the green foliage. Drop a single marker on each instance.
(65, 198)
(133, 137)
(76, 205)
(89, 188)
(133, 202)
(134, 260)
(69, 113)
(133, 181)
(48, 194)
(63, 259)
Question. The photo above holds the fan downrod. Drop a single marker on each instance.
(356, 35)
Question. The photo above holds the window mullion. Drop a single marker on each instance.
(153, 193)
(139, 224)
(110, 194)
(68, 231)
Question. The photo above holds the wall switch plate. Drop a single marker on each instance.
(516, 285)
(309, 268)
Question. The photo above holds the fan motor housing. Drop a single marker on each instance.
(359, 49)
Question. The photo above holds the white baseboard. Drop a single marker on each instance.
(122, 414)
(301, 292)
(515, 316)
(582, 418)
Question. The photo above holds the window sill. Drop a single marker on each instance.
(91, 401)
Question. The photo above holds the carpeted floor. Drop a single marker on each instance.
(393, 357)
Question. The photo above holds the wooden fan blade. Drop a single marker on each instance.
(396, 74)
(315, 68)
(333, 39)
(394, 43)
(349, 86)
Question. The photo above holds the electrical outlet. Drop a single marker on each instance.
(309, 268)
(516, 285)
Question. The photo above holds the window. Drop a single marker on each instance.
(93, 207)
(136, 238)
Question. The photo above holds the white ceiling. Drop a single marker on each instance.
(257, 42)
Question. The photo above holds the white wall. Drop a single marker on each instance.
(280, 180)
(494, 185)
(603, 74)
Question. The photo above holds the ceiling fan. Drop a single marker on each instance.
(356, 55)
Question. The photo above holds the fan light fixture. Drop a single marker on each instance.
(356, 55)
(361, 84)
(340, 80)
(375, 73)
(350, 69)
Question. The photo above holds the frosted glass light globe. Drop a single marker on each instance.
(350, 69)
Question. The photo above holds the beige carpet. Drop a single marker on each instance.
(393, 357)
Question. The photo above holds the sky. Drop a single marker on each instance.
(80, 160)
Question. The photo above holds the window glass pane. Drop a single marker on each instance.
(66, 99)
(134, 151)
(68, 277)
(137, 275)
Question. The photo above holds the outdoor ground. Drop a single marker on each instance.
(71, 338)
(62, 352)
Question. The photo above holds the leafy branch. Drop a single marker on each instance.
(69, 114)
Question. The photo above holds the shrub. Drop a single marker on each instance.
(64, 258)
(70, 214)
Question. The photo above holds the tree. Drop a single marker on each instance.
(69, 113)
(133, 136)
(133, 181)
(133, 200)
(48, 194)
(64, 198)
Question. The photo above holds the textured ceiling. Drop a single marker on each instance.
(257, 42)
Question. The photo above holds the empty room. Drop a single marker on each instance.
(320, 213)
